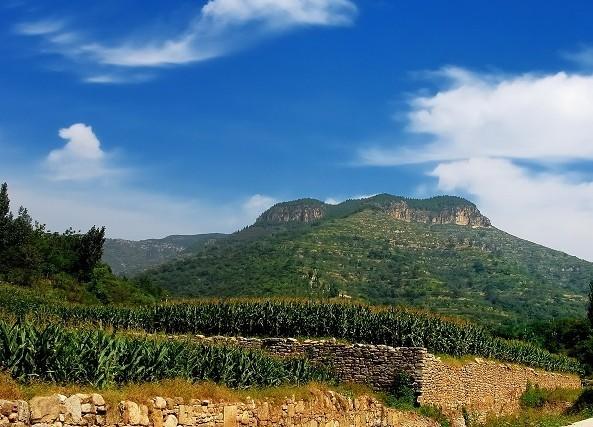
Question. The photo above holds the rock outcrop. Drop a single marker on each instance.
(299, 212)
(467, 215)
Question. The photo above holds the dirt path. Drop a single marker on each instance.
(584, 423)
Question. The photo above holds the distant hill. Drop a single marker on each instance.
(129, 257)
(439, 253)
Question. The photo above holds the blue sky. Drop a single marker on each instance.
(156, 118)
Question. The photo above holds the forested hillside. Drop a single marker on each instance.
(440, 254)
(129, 257)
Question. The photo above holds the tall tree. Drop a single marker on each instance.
(90, 251)
(4, 203)
(590, 308)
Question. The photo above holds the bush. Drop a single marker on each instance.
(533, 397)
(584, 403)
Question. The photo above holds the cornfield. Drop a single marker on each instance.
(354, 323)
(56, 354)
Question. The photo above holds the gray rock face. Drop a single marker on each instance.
(460, 215)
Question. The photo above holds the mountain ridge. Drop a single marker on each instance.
(437, 209)
(439, 253)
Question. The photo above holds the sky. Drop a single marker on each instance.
(155, 118)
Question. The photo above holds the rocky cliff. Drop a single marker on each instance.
(436, 210)
(303, 211)
(459, 215)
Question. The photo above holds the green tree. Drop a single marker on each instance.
(590, 307)
(90, 251)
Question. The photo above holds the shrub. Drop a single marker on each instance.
(533, 397)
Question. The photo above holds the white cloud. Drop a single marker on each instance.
(127, 212)
(220, 27)
(281, 13)
(488, 133)
(582, 57)
(541, 117)
(39, 28)
(547, 208)
(257, 204)
(338, 200)
(81, 158)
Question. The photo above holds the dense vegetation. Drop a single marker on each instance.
(355, 323)
(58, 355)
(65, 263)
(482, 274)
(573, 337)
(128, 257)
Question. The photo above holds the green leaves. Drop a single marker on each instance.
(354, 323)
(56, 354)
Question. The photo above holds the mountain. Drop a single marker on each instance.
(439, 253)
(129, 257)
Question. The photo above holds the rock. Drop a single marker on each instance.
(171, 421)
(160, 403)
(144, 421)
(73, 411)
(97, 399)
(156, 418)
(45, 409)
(130, 413)
(185, 416)
(88, 408)
(6, 407)
(230, 416)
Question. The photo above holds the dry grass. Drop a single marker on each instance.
(9, 389)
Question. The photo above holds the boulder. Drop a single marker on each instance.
(45, 410)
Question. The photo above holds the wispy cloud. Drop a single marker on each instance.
(39, 28)
(220, 27)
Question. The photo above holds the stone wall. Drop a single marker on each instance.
(483, 387)
(480, 387)
(324, 409)
(376, 365)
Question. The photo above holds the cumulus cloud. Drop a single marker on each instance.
(220, 27)
(488, 134)
(81, 158)
(543, 117)
(547, 208)
(257, 204)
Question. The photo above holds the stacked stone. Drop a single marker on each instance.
(324, 410)
(61, 411)
(375, 365)
(14, 413)
(482, 388)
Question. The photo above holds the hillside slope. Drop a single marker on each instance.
(129, 257)
(439, 253)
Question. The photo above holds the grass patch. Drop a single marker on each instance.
(531, 418)
(536, 397)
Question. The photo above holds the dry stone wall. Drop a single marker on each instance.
(480, 387)
(324, 409)
(376, 365)
(483, 387)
